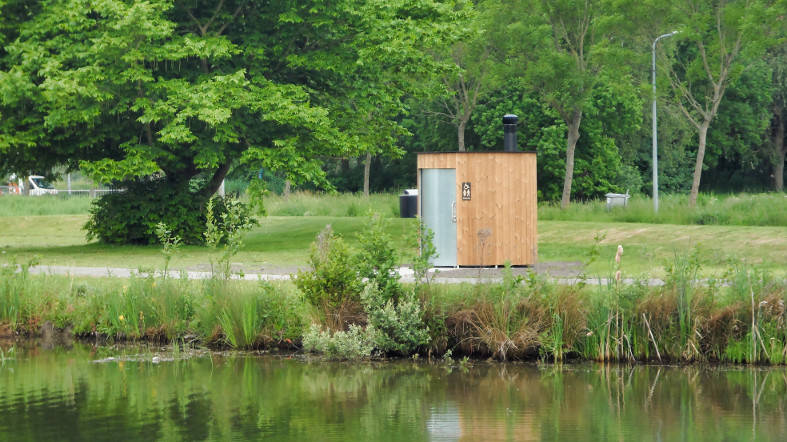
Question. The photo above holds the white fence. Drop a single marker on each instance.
(65, 193)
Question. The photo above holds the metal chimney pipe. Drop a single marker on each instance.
(509, 133)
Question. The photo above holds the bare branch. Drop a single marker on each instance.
(213, 17)
(722, 49)
(682, 92)
(196, 22)
(234, 15)
(705, 65)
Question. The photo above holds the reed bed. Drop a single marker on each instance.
(215, 312)
(738, 319)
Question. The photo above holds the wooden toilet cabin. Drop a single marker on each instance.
(481, 206)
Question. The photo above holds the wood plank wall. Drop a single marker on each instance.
(499, 223)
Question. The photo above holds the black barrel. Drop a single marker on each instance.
(408, 203)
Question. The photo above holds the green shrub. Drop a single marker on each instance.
(335, 283)
(225, 220)
(399, 323)
(131, 216)
(332, 285)
(355, 343)
(422, 261)
(170, 245)
(377, 260)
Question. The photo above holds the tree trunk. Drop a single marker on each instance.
(216, 180)
(287, 189)
(778, 143)
(460, 135)
(367, 165)
(26, 185)
(571, 144)
(778, 170)
(695, 185)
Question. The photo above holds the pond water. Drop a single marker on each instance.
(104, 393)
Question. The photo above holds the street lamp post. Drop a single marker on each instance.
(655, 138)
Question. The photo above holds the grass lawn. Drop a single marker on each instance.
(283, 242)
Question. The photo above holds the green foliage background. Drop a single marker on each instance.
(298, 94)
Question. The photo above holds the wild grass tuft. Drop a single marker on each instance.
(738, 209)
(501, 320)
(18, 305)
(332, 204)
(252, 317)
(247, 316)
(17, 205)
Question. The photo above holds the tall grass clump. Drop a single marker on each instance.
(247, 316)
(739, 209)
(18, 304)
(740, 318)
(234, 314)
(500, 322)
(332, 204)
(18, 205)
(143, 307)
(756, 310)
(514, 319)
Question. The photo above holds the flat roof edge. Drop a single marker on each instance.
(478, 152)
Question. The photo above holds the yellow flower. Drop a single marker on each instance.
(121, 318)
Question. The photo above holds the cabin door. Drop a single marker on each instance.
(438, 211)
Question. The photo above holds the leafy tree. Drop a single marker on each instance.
(717, 39)
(612, 115)
(185, 89)
(570, 45)
(777, 59)
(738, 156)
(470, 70)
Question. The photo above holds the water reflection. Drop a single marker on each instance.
(59, 394)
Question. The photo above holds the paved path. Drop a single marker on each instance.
(442, 275)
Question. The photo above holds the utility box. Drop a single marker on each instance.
(481, 206)
(617, 199)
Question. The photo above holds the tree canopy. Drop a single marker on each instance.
(185, 89)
